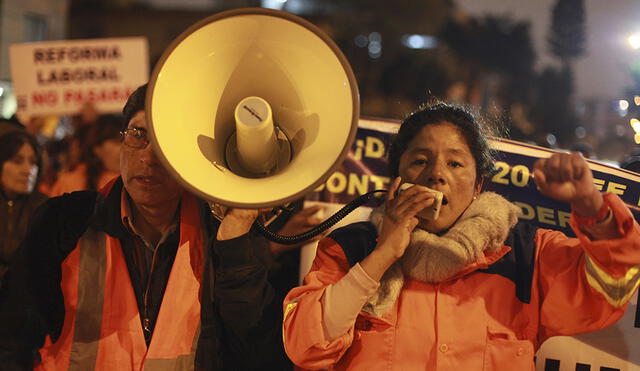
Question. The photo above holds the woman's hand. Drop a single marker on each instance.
(398, 223)
(567, 178)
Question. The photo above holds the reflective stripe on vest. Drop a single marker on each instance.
(88, 321)
(102, 328)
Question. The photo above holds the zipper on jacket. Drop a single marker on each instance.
(146, 321)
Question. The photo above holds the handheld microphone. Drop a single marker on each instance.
(432, 212)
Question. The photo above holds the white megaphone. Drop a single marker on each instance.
(252, 108)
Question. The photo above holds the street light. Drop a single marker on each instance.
(634, 41)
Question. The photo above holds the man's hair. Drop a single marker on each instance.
(134, 104)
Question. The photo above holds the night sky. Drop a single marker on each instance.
(604, 71)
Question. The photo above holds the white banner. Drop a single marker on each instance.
(58, 77)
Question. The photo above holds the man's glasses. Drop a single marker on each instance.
(135, 138)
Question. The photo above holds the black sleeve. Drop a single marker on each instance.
(245, 301)
(54, 230)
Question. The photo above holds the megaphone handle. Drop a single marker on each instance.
(282, 214)
(339, 215)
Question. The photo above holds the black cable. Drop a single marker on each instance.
(339, 215)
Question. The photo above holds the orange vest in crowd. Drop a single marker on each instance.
(102, 328)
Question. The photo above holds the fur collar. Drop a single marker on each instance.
(481, 230)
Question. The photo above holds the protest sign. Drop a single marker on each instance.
(58, 77)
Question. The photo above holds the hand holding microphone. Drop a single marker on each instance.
(403, 205)
(402, 209)
(431, 212)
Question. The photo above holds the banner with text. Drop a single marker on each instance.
(58, 77)
(365, 169)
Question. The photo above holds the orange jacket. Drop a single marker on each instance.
(492, 316)
(102, 329)
(76, 180)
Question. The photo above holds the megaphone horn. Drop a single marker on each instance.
(252, 108)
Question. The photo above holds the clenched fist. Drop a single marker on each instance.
(566, 177)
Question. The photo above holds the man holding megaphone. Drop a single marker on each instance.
(123, 279)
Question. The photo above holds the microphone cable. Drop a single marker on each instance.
(339, 215)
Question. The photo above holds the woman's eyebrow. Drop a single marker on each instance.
(457, 151)
(460, 151)
(419, 150)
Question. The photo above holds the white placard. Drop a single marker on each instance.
(58, 77)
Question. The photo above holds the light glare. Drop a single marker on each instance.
(419, 41)
(634, 41)
(623, 104)
(361, 41)
(551, 139)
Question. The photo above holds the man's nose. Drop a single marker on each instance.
(148, 155)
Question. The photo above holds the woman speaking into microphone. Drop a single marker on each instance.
(474, 288)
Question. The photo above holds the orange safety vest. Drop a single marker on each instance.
(102, 328)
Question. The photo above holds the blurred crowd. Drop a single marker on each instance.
(34, 166)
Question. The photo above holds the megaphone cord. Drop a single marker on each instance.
(339, 215)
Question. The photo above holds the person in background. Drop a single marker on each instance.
(632, 162)
(86, 116)
(54, 155)
(584, 148)
(20, 162)
(284, 266)
(101, 158)
(141, 276)
(76, 145)
(10, 124)
(473, 289)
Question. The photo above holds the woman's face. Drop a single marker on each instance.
(109, 154)
(439, 158)
(19, 172)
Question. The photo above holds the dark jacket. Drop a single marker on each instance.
(237, 312)
(14, 219)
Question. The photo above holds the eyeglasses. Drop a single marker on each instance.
(135, 138)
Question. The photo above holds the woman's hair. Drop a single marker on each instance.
(437, 113)
(10, 144)
(106, 127)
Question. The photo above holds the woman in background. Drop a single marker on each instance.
(20, 163)
(101, 159)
